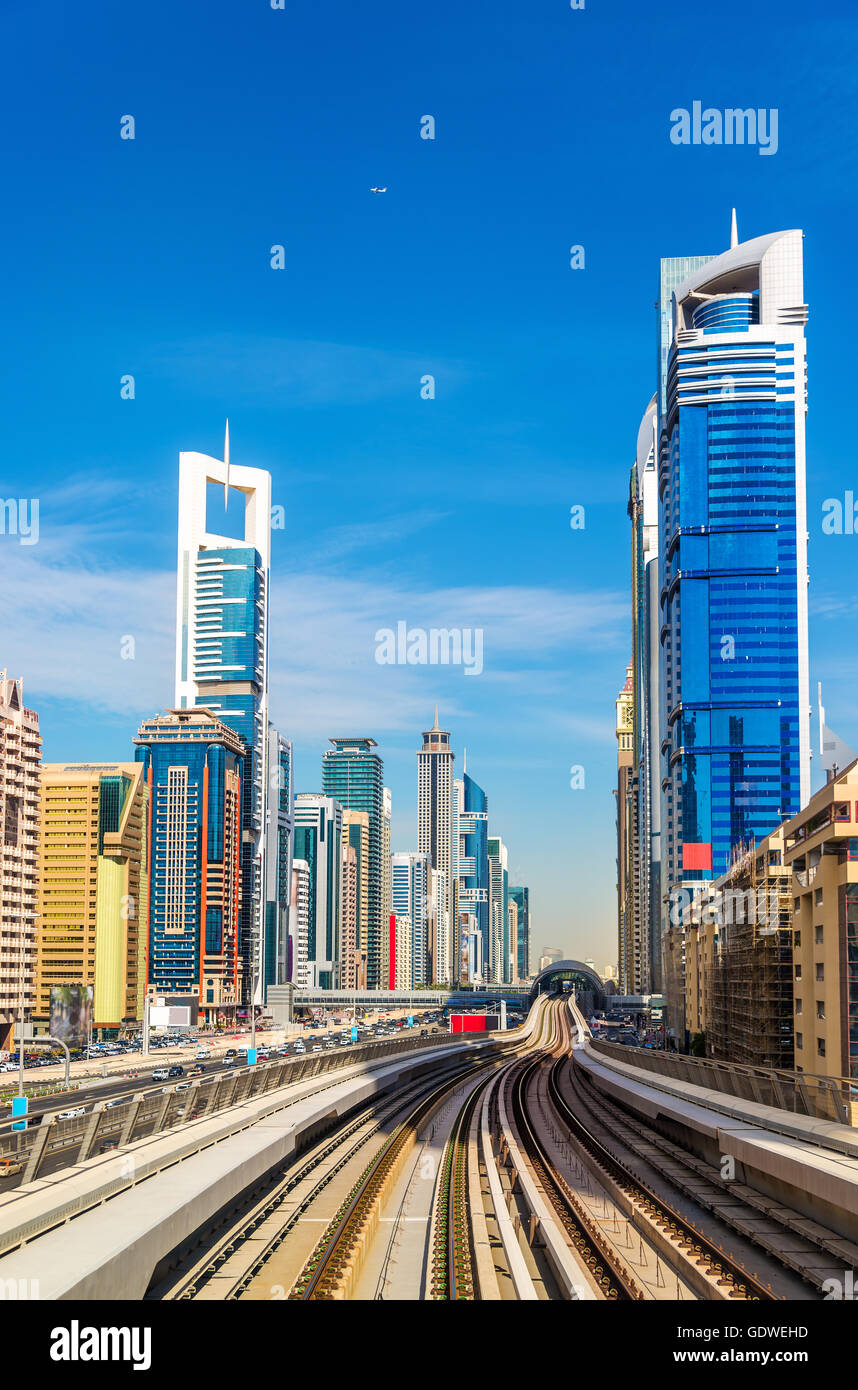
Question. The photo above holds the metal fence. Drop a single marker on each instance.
(802, 1093)
(50, 1144)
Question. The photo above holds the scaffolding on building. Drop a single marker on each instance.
(750, 989)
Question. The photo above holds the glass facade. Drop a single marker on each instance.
(353, 774)
(472, 866)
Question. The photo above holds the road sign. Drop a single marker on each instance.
(20, 1105)
(410, 1020)
(251, 1056)
(354, 1034)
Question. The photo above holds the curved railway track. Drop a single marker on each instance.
(691, 1244)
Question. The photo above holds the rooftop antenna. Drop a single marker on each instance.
(734, 231)
(226, 461)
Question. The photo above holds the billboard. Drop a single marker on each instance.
(71, 1014)
(169, 1017)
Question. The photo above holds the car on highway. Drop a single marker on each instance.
(183, 1086)
(195, 1071)
(230, 1061)
(111, 1104)
(9, 1167)
(317, 1048)
(72, 1114)
(161, 1074)
(230, 1052)
(176, 1071)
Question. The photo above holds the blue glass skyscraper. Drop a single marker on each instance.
(733, 688)
(471, 855)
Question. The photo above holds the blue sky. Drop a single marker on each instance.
(257, 127)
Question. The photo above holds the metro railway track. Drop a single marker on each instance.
(611, 1278)
(754, 1217)
(452, 1253)
(691, 1244)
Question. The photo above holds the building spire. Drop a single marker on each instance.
(226, 461)
(435, 727)
(734, 231)
(465, 760)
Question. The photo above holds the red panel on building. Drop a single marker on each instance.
(696, 856)
(391, 969)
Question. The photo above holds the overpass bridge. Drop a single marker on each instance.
(282, 998)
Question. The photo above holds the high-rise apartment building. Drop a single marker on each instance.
(20, 756)
(435, 800)
(299, 922)
(319, 842)
(628, 918)
(410, 887)
(348, 937)
(356, 834)
(386, 906)
(440, 966)
(733, 686)
(500, 961)
(471, 858)
(193, 766)
(94, 889)
(222, 663)
(278, 861)
(521, 897)
(354, 776)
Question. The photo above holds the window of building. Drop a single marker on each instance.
(820, 1008)
(820, 1047)
(797, 939)
(841, 810)
(817, 897)
(798, 972)
(799, 1040)
(818, 935)
(798, 1006)
(820, 970)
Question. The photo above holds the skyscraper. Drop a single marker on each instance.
(386, 903)
(318, 841)
(348, 950)
(222, 663)
(629, 926)
(435, 800)
(470, 858)
(500, 960)
(354, 776)
(409, 877)
(356, 836)
(299, 922)
(734, 696)
(20, 755)
(521, 897)
(94, 888)
(193, 764)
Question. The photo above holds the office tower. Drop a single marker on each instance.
(318, 841)
(521, 897)
(470, 855)
(193, 764)
(94, 888)
(435, 800)
(734, 697)
(349, 934)
(299, 922)
(356, 834)
(440, 943)
(628, 920)
(401, 965)
(354, 776)
(409, 878)
(512, 929)
(20, 755)
(500, 959)
(278, 861)
(222, 664)
(643, 777)
(386, 907)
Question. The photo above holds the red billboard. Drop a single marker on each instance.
(467, 1023)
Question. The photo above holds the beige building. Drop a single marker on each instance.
(629, 943)
(821, 848)
(20, 755)
(353, 959)
(94, 888)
